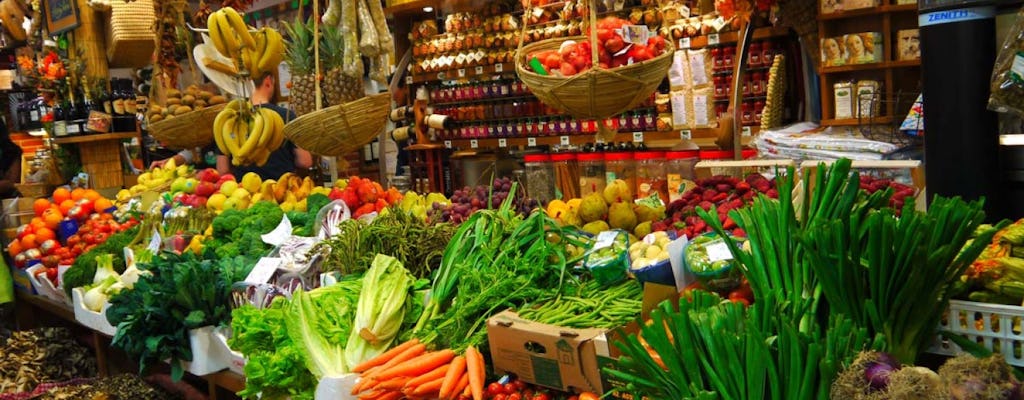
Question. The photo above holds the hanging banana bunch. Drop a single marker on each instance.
(248, 134)
(254, 52)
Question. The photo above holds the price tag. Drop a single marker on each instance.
(531, 141)
(502, 142)
(684, 43)
(685, 134)
(713, 39)
(638, 137)
(441, 76)
(718, 251)
(746, 131)
(474, 144)
(447, 144)
(264, 270)
(563, 140)
(479, 70)
(635, 34)
(499, 67)
(408, 80)
(462, 72)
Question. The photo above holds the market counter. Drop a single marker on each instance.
(32, 311)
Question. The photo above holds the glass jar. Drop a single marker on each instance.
(754, 55)
(592, 174)
(620, 165)
(540, 184)
(679, 174)
(650, 175)
(567, 175)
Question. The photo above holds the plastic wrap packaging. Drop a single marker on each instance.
(703, 111)
(678, 73)
(700, 67)
(1007, 86)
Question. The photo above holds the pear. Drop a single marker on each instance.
(596, 227)
(646, 213)
(642, 229)
(618, 191)
(592, 208)
(621, 216)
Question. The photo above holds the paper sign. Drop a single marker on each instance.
(473, 144)
(441, 76)
(502, 142)
(479, 70)
(281, 233)
(447, 144)
(685, 134)
(675, 256)
(263, 271)
(462, 72)
(129, 257)
(746, 131)
(713, 39)
(684, 43)
(155, 242)
(564, 140)
(635, 34)
(638, 137)
(718, 251)
(408, 80)
(605, 239)
(531, 141)
(499, 67)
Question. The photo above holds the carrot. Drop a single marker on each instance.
(396, 383)
(429, 387)
(467, 390)
(475, 368)
(451, 379)
(385, 357)
(461, 387)
(419, 365)
(439, 372)
(390, 395)
(365, 382)
(371, 395)
(410, 353)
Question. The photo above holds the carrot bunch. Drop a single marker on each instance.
(410, 371)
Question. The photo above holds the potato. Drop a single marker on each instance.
(182, 110)
(173, 101)
(173, 93)
(171, 109)
(217, 100)
(188, 99)
(198, 105)
(156, 118)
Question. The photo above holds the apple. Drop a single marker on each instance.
(199, 202)
(180, 197)
(228, 187)
(206, 188)
(226, 177)
(190, 185)
(178, 185)
(208, 175)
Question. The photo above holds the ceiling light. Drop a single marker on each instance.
(428, 9)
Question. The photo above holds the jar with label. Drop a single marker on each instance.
(758, 110)
(567, 175)
(748, 113)
(540, 183)
(592, 173)
(716, 58)
(720, 87)
(754, 55)
(746, 85)
(767, 53)
(679, 172)
(650, 175)
(620, 165)
(757, 81)
(727, 56)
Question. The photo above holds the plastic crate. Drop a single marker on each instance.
(91, 319)
(995, 326)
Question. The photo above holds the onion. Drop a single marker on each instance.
(877, 375)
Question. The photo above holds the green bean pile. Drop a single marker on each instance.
(591, 307)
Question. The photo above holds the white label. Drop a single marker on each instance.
(718, 23)
(713, 39)
(684, 43)
(281, 233)
(537, 12)
(474, 144)
(700, 110)
(441, 76)
(564, 140)
(155, 242)
(605, 239)
(502, 142)
(685, 134)
(635, 34)
(263, 270)
(462, 72)
(447, 144)
(718, 251)
(638, 137)
(499, 67)
(746, 131)
(685, 11)
(408, 80)
(680, 110)
(531, 141)
(479, 70)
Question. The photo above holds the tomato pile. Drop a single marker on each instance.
(612, 50)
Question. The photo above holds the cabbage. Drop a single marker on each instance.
(381, 309)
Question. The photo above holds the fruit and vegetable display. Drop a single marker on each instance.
(997, 276)
(590, 306)
(613, 208)
(723, 194)
(613, 51)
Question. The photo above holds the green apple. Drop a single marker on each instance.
(228, 188)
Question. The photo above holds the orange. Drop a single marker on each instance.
(66, 206)
(52, 219)
(40, 205)
(44, 234)
(92, 195)
(14, 248)
(102, 204)
(29, 241)
(77, 194)
(37, 222)
(61, 194)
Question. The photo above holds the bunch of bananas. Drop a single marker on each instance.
(258, 53)
(771, 117)
(246, 133)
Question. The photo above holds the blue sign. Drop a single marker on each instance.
(961, 15)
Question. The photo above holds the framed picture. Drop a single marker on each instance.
(61, 15)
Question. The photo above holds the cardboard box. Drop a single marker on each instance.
(558, 357)
(834, 6)
(908, 45)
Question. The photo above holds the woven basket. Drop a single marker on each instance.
(596, 93)
(187, 131)
(341, 129)
(131, 38)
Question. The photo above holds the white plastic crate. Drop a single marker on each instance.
(91, 319)
(206, 356)
(995, 326)
(235, 360)
(44, 287)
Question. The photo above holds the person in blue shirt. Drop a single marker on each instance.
(288, 157)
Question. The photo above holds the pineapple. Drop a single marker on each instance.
(299, 57)
(338, 88)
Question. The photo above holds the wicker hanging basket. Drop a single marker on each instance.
(341, 129)
(187, 131)
(130, 35)
(596, 93)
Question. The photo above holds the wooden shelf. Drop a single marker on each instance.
(465, 73)
(725, 38)
(95, 137)
(869, 11)
(856, 121)
(871, 66)
(702, 137)
(905, 64)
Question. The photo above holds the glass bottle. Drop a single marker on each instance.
(117, 97)
(60, 125)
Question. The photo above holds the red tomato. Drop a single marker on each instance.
(102, 237)
(73, 240)
(494, 389)
(520, 385)
(589, 396)
(51, 274)
(541, 396)
(500, 396)
(515, 396)
(509, 388)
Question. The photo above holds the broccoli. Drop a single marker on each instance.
(315, 202)
(226, 222)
